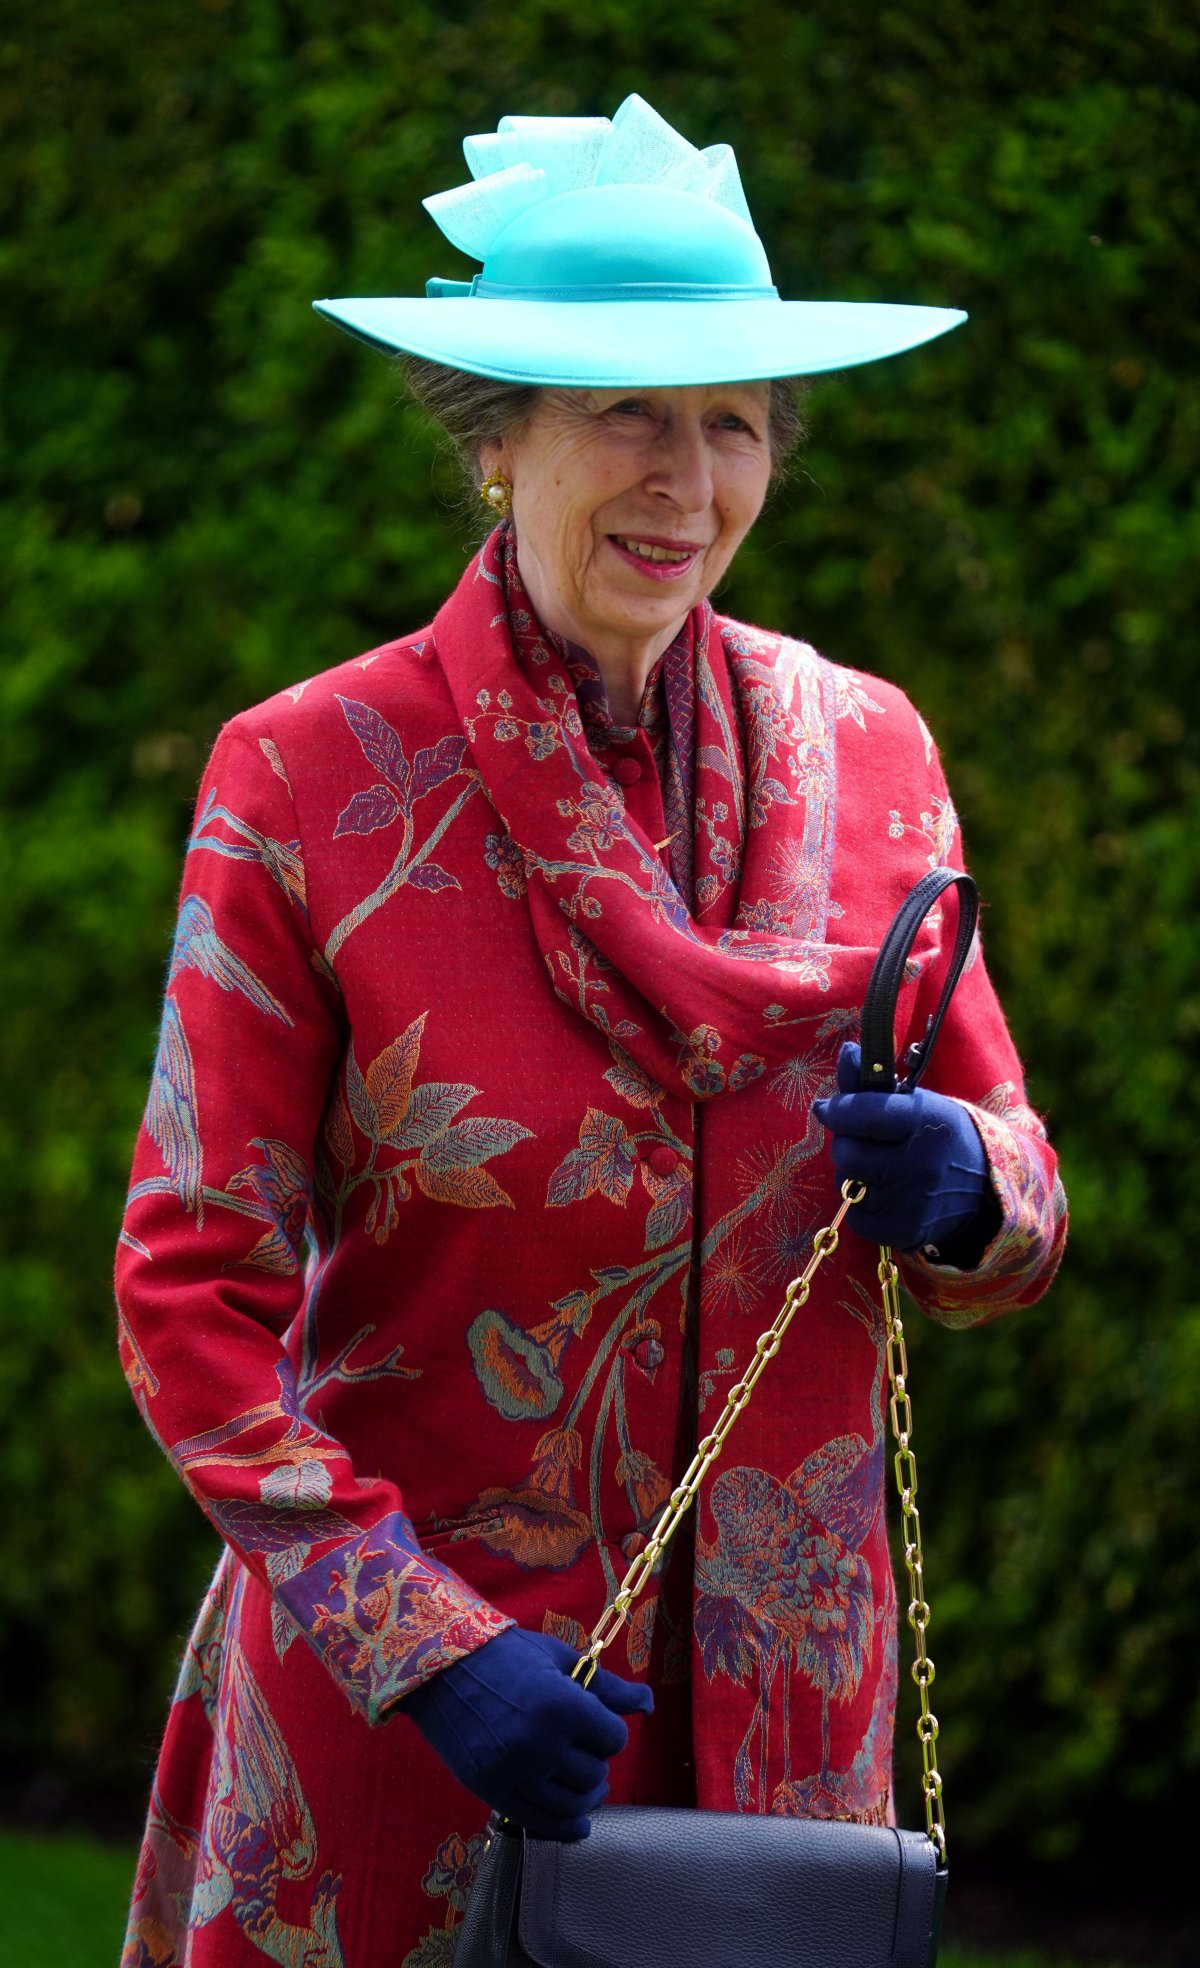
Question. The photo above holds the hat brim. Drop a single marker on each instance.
(640, 344)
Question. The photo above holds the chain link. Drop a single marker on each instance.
(905, 1466)
(616, 1613)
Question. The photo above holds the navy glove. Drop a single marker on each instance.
(512, 1726)
(923, 1162)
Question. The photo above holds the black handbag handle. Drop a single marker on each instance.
(878, 1069)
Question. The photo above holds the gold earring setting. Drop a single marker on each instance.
(496, 492)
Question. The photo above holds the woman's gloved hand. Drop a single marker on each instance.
(512, 1726)
(923, 1162)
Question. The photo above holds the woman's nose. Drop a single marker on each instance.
(682, 469)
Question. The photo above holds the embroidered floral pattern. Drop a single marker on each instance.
(412, 1135)
(786, 1588)
(450, 1877)
(503, 854)
(384, 1615)
(394, 797)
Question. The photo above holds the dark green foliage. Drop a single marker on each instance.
(207, 493)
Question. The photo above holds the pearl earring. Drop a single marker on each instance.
(496, 491)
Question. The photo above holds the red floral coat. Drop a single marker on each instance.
(473, 1164)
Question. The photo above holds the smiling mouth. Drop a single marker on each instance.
(657, 555)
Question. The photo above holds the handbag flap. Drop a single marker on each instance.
(720, 1889)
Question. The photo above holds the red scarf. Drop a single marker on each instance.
(706, 1003)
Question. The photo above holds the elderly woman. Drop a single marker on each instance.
(506, 1039)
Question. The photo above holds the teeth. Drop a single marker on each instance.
(645, 552)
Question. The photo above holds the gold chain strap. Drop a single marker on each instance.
(919, 1615)
(616, 1613)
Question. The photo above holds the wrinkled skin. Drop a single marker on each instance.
(682, 468)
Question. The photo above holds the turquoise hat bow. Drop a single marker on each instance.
(616, 254)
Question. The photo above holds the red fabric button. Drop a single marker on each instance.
(627, 772)
(663, 1160)
(649, 1354)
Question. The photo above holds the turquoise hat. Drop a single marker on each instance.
(617, 255)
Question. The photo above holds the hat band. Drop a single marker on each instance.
(618, 290)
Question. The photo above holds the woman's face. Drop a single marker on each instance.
(630, 504)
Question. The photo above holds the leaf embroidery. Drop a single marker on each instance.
(566, 1628)
(603, 1164)
(470, 1142)
(638, 1637)
(629, 1080)
(429, 1112)
(429, 875)
(470, 1188)
(380, 744)
(667, 1217)
(435, 764)
(377, 807)
(415, 1122)
(361, 1104)
(389, 1077)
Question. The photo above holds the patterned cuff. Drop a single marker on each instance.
(384, 1616)
(1018, 1264)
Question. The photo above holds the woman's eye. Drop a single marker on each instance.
(631, 406)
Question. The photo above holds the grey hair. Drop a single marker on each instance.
(477, 410)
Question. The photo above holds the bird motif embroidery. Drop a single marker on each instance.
(197, 946)
(171, 1118)
(785, 1587)
(259, 1834)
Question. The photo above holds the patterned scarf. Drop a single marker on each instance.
(665, 715)
(706, 999)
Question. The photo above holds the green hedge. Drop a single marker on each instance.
(207, 493)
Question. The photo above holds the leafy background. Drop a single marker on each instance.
(206, 493)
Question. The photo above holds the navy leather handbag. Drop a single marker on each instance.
(727, 1889)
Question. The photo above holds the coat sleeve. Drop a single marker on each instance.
(211, 1263)
(976, 1063)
